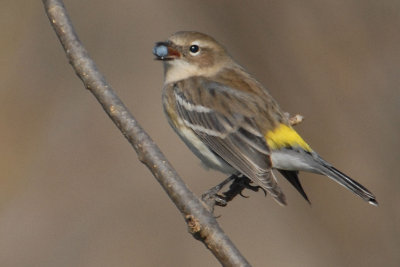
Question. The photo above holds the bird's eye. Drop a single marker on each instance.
(194, 49)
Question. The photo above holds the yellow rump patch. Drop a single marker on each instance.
(284, 136)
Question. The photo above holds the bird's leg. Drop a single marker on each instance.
(294, 120)
(211, 197)
(239, 183)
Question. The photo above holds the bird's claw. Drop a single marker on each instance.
(241, 194)
(211, 197)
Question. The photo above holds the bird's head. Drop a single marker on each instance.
(186, 54)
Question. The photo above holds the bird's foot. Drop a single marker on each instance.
(239, 182)
(211, 196)
(238, 185)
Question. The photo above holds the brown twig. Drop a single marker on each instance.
(296, 119)
(200, 221)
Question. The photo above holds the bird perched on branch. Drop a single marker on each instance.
(231, 122)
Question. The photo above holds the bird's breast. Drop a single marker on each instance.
(189, 137)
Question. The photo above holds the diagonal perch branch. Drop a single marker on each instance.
(201, 223)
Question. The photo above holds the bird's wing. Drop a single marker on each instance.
(228, 128)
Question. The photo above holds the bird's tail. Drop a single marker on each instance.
(290, 159)
(347, 182)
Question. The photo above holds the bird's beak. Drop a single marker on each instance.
(165, 51)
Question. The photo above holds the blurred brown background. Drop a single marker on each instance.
(72, 192)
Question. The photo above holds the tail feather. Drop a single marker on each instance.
(292, 160)
(292, 177)
(349, 183)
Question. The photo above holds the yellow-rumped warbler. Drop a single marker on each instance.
(231, 122)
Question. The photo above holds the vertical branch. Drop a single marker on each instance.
(201, 223)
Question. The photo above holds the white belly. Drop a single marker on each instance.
(208, 158)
